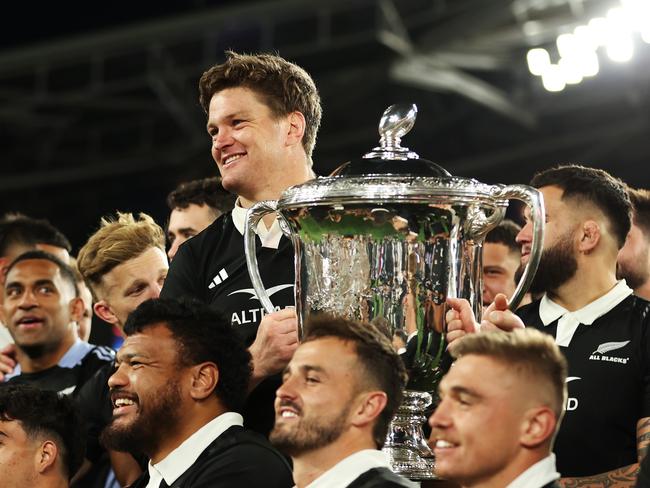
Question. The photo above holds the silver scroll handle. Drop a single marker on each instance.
(535, 201)
(253, 217)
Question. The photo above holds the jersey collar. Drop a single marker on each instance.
(269, 237)
(549, 311)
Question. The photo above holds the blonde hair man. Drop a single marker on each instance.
(501, 406)
(124, 263)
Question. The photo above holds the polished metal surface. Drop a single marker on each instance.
(396, 122)
(390, 249)
(406, 446)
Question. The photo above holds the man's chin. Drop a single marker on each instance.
(121, 435)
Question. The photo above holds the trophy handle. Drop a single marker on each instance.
(253, 217)
(535, 201)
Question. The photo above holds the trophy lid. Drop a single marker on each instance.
(391, 173)
(390, 158)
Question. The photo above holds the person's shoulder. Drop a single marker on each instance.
(526, 309)
(238, 438)
(381, 478)
(102, 354)
(96, 358)
(529, 312)
(239, 457)
(223, 225)
(204, 242)
(640, 307)
(99, 379)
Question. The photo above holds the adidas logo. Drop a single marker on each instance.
(218, 279)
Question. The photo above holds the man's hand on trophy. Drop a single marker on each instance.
(276, 341)
(498, 317)
(460, 320)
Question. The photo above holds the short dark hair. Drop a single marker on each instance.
(203, 335)
(285, 87)
(66, 271)
(206, 191)
(596, 186)
(18, 229)
(640, 199)
(46, 414)
(381, 366)
(529, 352)
(505, 233)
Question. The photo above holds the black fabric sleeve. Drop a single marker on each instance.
(645, 355)
(182, 278)
(238, 458)
(246, 465)
(94, 405)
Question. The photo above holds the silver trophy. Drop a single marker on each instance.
(388, 238)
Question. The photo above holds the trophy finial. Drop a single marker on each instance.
(396, 122)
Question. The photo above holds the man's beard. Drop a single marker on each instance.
(635, 276)
(308, 433)
(557, 266)
(149, 426)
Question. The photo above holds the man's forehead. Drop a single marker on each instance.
(480, 373)
(34, 270)
(235, 101)
(191, 216)
(327, 353)
(150, 341)
(151, 261)
(11, 429)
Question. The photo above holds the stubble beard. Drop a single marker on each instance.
(308, 434)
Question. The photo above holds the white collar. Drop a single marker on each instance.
(269, 237)
(349, 469)
(180, 459)
(549, 311)
(539, 474)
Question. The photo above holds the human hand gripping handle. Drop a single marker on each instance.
(498, 316)
(274, 345)
(460, 319)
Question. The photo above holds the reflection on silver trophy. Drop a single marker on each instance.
(388, 238)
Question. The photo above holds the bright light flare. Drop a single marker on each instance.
(538, 61)
(619, 45)
(553, 78)
(570, 71)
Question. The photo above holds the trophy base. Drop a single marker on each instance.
(406, 447)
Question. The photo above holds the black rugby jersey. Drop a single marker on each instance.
(608, 385)
(237, 458)
(211, 267)
(76, 367)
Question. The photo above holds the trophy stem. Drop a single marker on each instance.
(406, 447)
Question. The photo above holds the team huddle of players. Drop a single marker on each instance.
(207, 390)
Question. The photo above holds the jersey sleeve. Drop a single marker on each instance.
(645, 344)
(245, 465)
(93, 402)
(182, 279)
